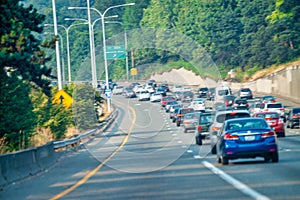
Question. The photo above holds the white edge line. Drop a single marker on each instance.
(235, 183)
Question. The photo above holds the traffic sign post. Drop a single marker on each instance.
(115, 52)
(133, 71)
(108, 93)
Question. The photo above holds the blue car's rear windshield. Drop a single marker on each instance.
(246, 124)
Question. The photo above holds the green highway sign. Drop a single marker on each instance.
(115, 52)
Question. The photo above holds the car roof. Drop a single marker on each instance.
(230, 110)
(245, 119)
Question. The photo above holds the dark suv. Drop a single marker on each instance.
(202, 92)
(293, 118)
(202, 126)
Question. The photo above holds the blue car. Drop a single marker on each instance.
(246, 138)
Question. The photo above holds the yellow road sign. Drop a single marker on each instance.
(133, 71)
(61, 97)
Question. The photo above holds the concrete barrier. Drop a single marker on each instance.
(17, 166)
(46, 156)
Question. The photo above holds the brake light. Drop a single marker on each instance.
(232, 113)
(295, 116)
(180, 115)
(199, 128)
(214, 128)
(268, 134)
(266, 110)
(282, 109)
(227, 136)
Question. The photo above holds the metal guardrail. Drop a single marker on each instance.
(76, 140)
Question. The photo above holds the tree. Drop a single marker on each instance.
(22, 67)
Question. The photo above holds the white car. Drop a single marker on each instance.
(150, 89)
(138, 88)
(198, 104)
(155, 97)
(118, 90)
(273, 107)
(143, 95)
(176, 88)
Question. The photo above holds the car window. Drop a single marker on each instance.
(246, 124)
(223, 92)
(296, 111)
(223, 117)
(275, 105)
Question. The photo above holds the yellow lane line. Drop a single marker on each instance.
(93, 172)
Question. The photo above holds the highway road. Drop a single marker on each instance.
(144, 155)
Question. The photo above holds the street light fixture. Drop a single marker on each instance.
(103, 36)
(68, 46)
(93, 37)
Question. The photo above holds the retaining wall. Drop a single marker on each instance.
(285, 83)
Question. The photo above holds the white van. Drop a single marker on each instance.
(222, 91)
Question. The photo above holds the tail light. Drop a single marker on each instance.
(282, 109)
(199, 128)
(228, 136)
(268, 134)
(214, 128)
(295, 116)
(280, 121)
(266, 110)
(180, 115)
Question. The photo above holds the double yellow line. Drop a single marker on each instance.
(93, 172)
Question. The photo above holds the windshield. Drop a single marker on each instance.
(223, 92)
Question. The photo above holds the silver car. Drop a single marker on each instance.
(219, 119)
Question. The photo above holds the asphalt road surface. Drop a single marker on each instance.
(144, 155)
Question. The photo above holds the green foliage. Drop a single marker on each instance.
(83, 108)
(17, 119)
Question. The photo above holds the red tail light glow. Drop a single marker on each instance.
(269, 134)
(227, 136)
(199, 128)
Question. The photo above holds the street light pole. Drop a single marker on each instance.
(59, 82)
(104, 42)
(62, 49)
(104, 47)
(92, 48)
(68, 45)
(93, 54)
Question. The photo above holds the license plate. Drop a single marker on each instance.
(249, 138)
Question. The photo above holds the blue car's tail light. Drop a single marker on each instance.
(228, 136)
(268, 134)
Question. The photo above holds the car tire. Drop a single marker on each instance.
(275, 157)
(288, 124)
(198, 140)
(214, 149)
(219, 160)
(185, 130)
(225, 161)
(178, 124)
(282, 134)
